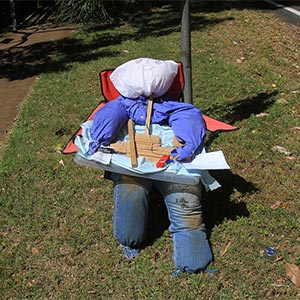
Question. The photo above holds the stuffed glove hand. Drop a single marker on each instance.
(189, 129)
(107, 122)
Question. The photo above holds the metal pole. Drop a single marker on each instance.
(186, 51)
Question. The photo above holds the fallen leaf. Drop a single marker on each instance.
(155, 256)
(295, 128)
(282, 101)
(276, 205)
(282, 150)
(60, 132)
(294, 273)
(35, 250)
(240, 60)
(58, 147)
(291, 157)
(261, 115)
(31, 283)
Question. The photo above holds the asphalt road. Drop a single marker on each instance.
(289, 11)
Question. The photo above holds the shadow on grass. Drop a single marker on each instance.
(23, 60)
(218, 206)
(27, 60)
(239, 111)
(243, 109)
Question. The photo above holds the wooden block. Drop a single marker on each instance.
(149, 140)
(153, 153)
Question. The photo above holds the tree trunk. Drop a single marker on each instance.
(13, 14)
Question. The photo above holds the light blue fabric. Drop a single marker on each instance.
(144, 166)
(84, 140)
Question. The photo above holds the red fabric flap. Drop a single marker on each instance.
(71, 147)
(214, 125)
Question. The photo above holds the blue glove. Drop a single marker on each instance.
(107, 122)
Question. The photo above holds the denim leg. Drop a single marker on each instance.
(191, 250)
(130, 209)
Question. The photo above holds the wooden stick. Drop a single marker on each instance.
(226, 249)
(132, 145)
(149, 114)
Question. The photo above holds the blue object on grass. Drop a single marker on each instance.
(129, 252)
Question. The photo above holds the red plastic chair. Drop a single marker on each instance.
(110, 93)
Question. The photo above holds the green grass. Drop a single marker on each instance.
(56, 216)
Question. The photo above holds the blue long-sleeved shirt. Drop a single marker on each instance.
(185, 119)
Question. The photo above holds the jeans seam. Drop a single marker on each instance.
(116, 214)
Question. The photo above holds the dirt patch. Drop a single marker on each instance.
(23, 56)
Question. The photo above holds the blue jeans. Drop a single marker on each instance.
(191, 250)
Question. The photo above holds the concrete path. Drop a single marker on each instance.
(23, 56)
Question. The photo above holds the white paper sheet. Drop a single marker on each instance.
(103, 158)
(208, 161)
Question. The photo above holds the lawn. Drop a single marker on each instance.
(56, 216)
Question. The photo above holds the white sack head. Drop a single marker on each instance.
(144, 76)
